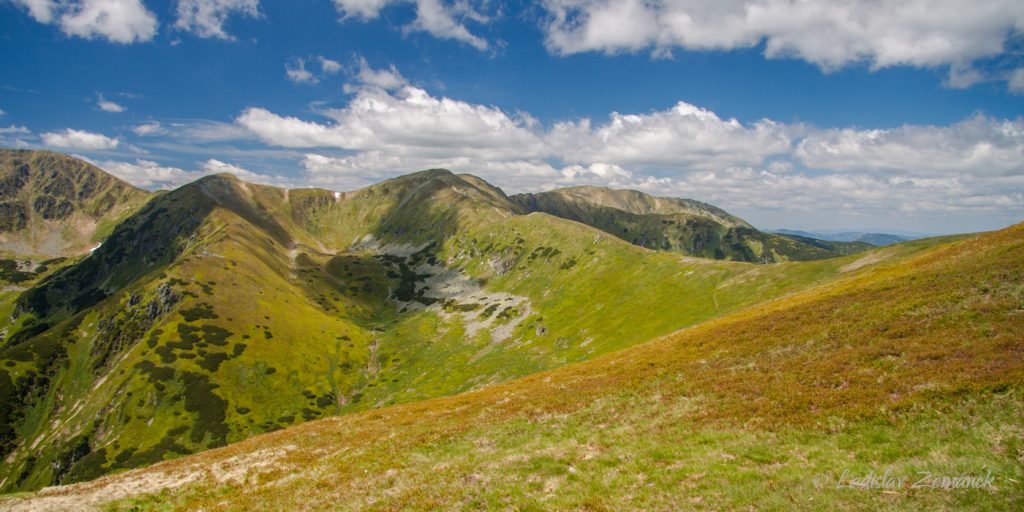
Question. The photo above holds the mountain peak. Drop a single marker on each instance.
(56, 205)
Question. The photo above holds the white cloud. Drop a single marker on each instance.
(296, 71)
(206, 18)
(971, 168)
(436, 19)
(409, 122)
(107, 105)
(40, 10)
(152, 175)
(289, 132)
(328, 66)
(684, 135)
(14, 129)
(214, 166)
(979, 145)
(148, 174)
(601, 172)
(79, 139)
(963, 77)
(882, 33)
(439, 19)
(119, 21)
(353, 171)
(387, 79)
(365, 9)
(388, 127)
(1016, 81)
(148, 129)
(976, 165)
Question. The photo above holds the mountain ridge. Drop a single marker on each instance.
(696, 403)
(682, 225)
(873, 238)
(189, 327)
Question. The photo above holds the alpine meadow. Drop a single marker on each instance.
(499, 255)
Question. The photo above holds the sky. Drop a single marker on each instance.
(883, 115)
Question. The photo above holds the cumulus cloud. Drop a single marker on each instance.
(15, 130)
(409, 121)
(296, 71)
(366, 76)
(439, 19)
(206, 18)
(881, 33)
(107, 105)
(79, 139)
(684, 135)
(973, 167)
(978, 145)
(387, 115)
(119, 21)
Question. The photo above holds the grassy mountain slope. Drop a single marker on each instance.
(225, 309)
(910, 366)
(683, 225)
(52, 205)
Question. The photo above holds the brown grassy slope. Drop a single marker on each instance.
(946, 324)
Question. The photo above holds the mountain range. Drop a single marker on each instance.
(431, 317)
(878, 239)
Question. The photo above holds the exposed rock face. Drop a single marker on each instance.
(502, 263)
(165, 300)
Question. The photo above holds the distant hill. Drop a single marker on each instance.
(876, 239)
(681, 225)
(52, 205)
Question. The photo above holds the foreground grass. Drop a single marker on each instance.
(645, 452)
(915, 366)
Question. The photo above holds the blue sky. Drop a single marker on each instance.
(894, 115)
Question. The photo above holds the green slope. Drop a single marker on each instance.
(909, 367)
(682, 225)
(225, 309)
